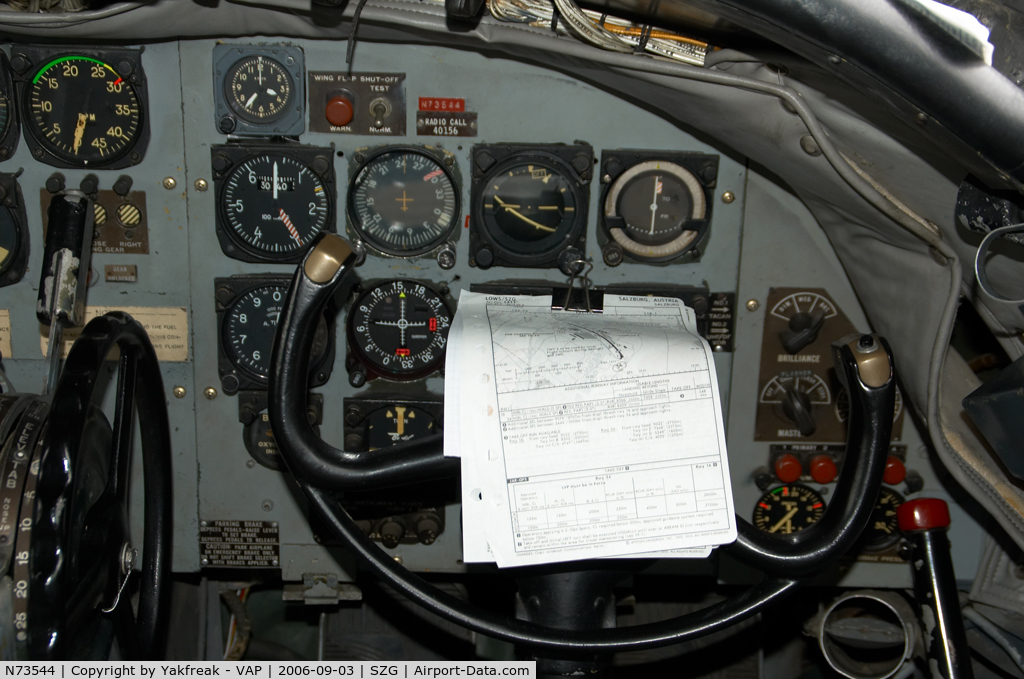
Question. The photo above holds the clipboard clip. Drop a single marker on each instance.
(583, 299)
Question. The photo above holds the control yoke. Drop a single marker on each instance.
(863, 363)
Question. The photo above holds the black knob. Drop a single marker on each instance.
(123, 185)
(391, 533)
(427, 529)
(797, 407)
(90, 184)
(55, 182)
(803, 329)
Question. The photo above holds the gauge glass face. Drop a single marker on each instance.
(5, 114)
(251, 324)
(529, 208)
(788, 509)
(275, 205)
(399, 329)
(10, 240)
(397, 423)
(883, 529)
(259, 89)
(403, 202)
(654, 206)
(82, 111)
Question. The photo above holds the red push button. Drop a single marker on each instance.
(788, 468)
(923, 514)
(823, 469)
(895, 472)
(339, 111)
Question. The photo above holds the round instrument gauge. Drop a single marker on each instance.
(883, 530)
(648, 207)
(5, 113)
(399, 328)
(82, 111)
(403, 201)
(259, 89)
(249, 327)
(274, 205)
(530, 207)
(394, 424)
(10, 240)
(788, 509)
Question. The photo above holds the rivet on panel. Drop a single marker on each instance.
(179, 392)
(728, 197)
(169, 183)
(201, 185)
(210, 393)
(753, 305)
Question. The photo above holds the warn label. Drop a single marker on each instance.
(239, 544)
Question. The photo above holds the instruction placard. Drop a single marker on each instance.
(167, 328)
(239, 544)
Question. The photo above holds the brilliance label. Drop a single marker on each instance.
(432, 124)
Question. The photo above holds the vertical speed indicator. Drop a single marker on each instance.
(83, 111)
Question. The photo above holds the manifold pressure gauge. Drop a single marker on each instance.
(271, 204)
(398, 329)
(85, 109)
(788, 509)
(404, 201)
(249, 308)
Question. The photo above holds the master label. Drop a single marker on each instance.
(239, 544)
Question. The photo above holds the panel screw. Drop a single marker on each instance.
(446, 257)
(210, 393)
(753, 305)
(205, 561)
(179, 392)
(170, 183)
(250, 463)
(267, 505)
(728, 197)
(201, 185)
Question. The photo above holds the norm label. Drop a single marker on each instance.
(239, 544)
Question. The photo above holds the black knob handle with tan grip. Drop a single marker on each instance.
(864, 365)
(309, 458)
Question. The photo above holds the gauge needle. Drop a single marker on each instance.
(784, 520)
(654, 202)
(251, 99)
(79, 131)
(536, 225)
(287, 222)
(271, 92)
(275, 183)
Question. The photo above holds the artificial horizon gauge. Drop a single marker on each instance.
(403, 201)
(259, 88)
(883, 530)
(655, 210)
(248, 328)
(271, 206)
(529, 207)
(788, 509)
(84, 112)
(398, 329)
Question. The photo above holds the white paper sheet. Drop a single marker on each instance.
(585, 435)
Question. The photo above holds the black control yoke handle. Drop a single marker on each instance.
(307, 456)
(864, 365)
